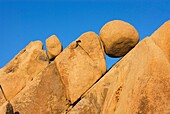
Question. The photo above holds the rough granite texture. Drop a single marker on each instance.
(54, 47)
(76, 81)
(118, 37)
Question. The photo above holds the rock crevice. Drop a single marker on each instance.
(76, 80)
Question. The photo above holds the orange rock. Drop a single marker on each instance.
(22, 69)
(45, 94)
(162, 38)
(73, 82)
(54, 46)
(81, 65)
(118, 37)
(138, 83)
(141, 83)
(92, 44)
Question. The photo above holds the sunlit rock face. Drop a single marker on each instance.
(54, 47)
(76, 81)
(81, 64)
(118, 37)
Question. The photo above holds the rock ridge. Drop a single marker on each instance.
(75, 81)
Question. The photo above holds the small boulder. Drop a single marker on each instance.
(118, 37)
(54, 46)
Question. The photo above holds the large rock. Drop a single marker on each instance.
(137, 84)
(45, 94)
(60, 84)
(162, 38)
(22, 69)
(74, 83)
(81, 64)
(91, 43)
(54, 46)
(118, 37)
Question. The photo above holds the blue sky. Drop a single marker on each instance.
(24, 21)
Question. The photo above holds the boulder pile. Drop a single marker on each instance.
(75, 80)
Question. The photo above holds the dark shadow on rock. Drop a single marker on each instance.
(16, 113)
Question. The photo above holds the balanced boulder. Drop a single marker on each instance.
(138, 84)
(118, 37)
(53, 46)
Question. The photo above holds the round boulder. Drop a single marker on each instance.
(118, 38)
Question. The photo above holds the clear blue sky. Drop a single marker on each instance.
(23, 22)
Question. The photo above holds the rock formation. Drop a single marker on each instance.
(53, 46)
(118, 37)
(138, 84)
(161, 37)
(80, 67)
(76, 82)
(22, 69)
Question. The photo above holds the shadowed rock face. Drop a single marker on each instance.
(76, 82)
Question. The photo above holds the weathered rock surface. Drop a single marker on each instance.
(162, 38)
(137, 84)
(54, 46)
(76, 83)
(45, 94)
(22, 69)
(91, 43)
(118, 37)
(62, 82)
(80, 66)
